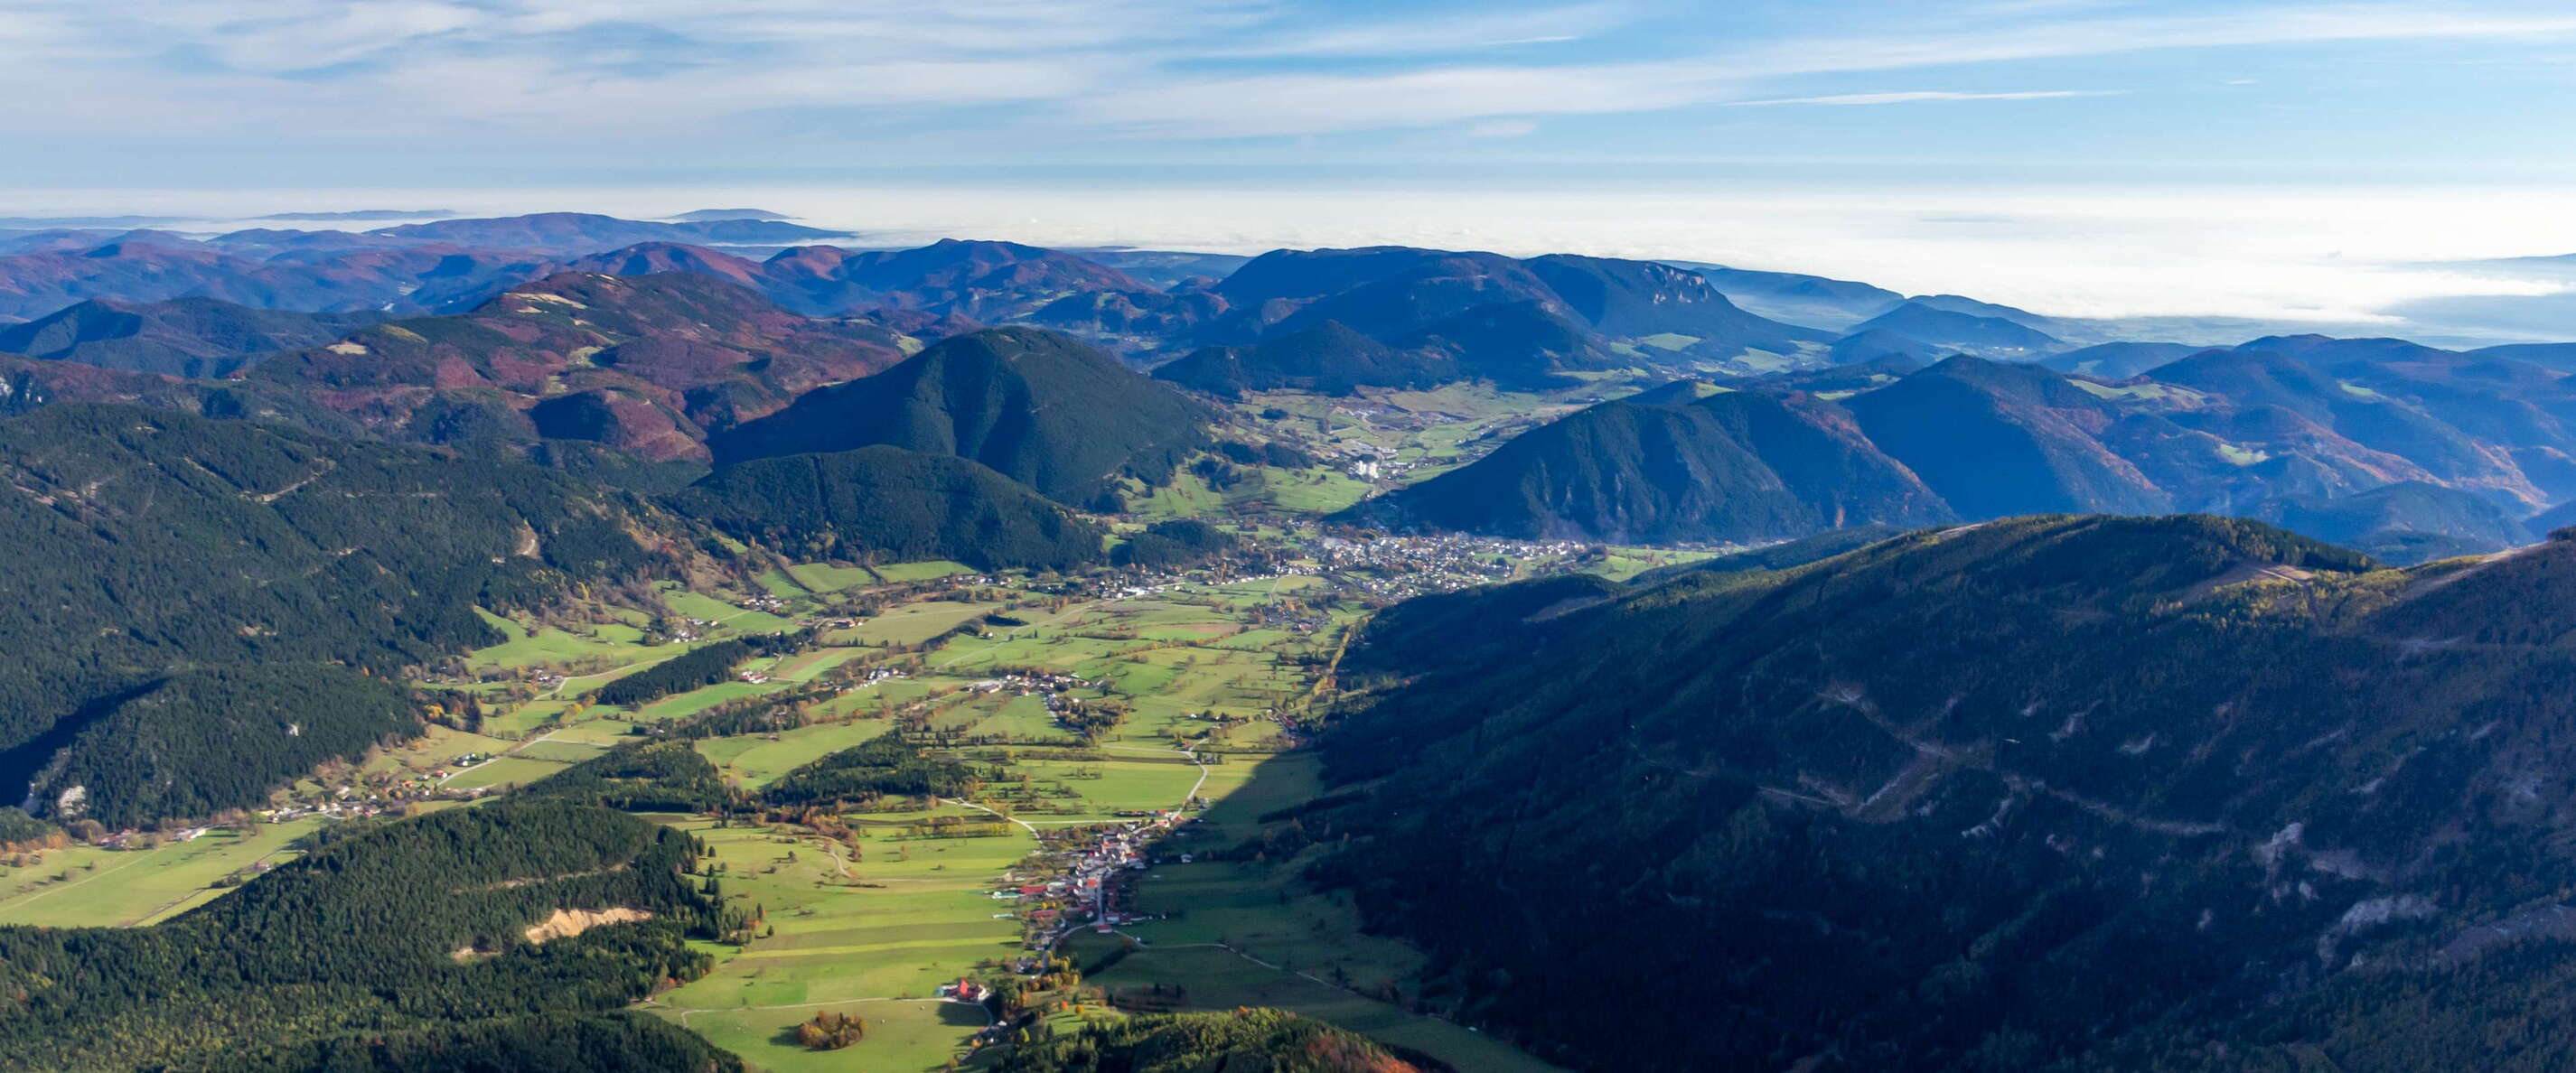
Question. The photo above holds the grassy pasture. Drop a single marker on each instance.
(114, 888)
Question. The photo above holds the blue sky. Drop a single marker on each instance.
(495, 92)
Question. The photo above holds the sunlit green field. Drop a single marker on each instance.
(754, 761)
(88, 886)
(902, 1036)
(894, 923)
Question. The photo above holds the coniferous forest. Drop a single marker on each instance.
(415, 927)
(170, 566)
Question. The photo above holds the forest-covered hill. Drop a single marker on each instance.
(2041, 790)
(2410, 452)
(183, 582)
(892, 505)
(1035, 406)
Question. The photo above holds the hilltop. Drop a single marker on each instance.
(1673, 464)
(1035, 406)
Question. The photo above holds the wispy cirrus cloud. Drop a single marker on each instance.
(1073, 71)
(1325, 102)
(1435, 36)
(1923, 95)
(2115, 34)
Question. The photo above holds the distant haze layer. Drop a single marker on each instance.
(2351, 257)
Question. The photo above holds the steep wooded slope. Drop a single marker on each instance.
(1035, 406)
(182, 579)
(1980, 798)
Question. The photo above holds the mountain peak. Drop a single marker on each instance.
(1034, 405)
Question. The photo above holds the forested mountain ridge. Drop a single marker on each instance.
(1037, 407)
(2436, 452)
(1442, 316)
(1952, 331)
(584, 231)
(982, 280)
(157, 550)
(194, 337)
(893, 505)
(648, 364)
(1897, 809)
(1673, 464)
(1514, 346)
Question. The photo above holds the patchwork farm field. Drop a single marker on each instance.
(870, 913)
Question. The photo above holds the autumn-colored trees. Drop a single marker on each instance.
(830, 1031)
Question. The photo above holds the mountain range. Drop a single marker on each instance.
(649, 364)
(2278, 428)
(709, 341)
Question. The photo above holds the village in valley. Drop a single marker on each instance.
(1115, 744)
(1126, 732)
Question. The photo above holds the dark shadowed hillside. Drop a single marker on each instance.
(1246, 1039)
(2412, 453)
(1679, 463)
(2407, 522)
(1909, 807)
(1035, 406)
(1994, 439)
(2118, 361)
(1515, 323)
(888, 504)
(1327, 358)
(194, 337)
(1636, 299)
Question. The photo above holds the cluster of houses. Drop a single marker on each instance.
(1088, 892)
(687, 629)
(1042, 683)
(1400, 567)
(342, 810)
(134, 839)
